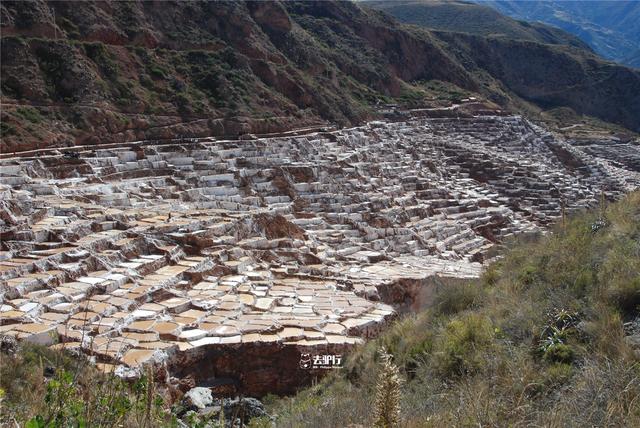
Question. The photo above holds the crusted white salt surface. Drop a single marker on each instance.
(136, 256)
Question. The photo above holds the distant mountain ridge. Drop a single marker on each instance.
(468, 17)
(611, 28)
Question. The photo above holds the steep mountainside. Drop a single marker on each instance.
(542, 65)
(116, 71)
(105, 72)
(611, 28)
(551, 76)
(466, 17)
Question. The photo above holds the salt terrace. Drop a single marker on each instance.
(218, 258)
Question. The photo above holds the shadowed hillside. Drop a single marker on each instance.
(552, 76)
(539, 63)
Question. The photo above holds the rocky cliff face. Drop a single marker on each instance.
(108, 72)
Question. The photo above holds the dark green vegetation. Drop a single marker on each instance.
(611, 28)
(110, 72)
(41, 387)
(539, 340)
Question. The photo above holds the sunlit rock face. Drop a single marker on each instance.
(224, 261)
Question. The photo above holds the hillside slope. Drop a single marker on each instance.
(552, 76)
(108, 72)
(466, 17)
(550, 336)
(611, 28)
(537, 63)
(118, 71)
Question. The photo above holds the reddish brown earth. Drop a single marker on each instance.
(103, 72)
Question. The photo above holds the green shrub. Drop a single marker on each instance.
(457, 297)
(146, 81)
(557, 374)
(558, 353)
(69, 27)
(7, 129)
(30, 114)
(460, 347)
(158, 72)
(420, 349)
(99, 54)
(625, 295)
(48, 388)
(584, 282)
(491, 275)
(528, 275)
